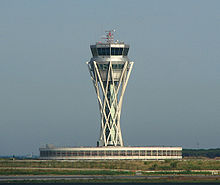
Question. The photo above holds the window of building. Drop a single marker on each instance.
(94, 52)
(115, 153)
(142, 153)
(164, 152)
(148, 152)
(129, 153)
(74, 153)
(116, 51)
(179, 153)
(154, 153)
(80, 153)
(122, 153)
(94, 153)
(125, 53)
(136, 153)
(106, 51)
(108, 153)
(103, 51)
(87, 153)
(103, 66)
(101, 153)
(173, 153)
(117, 66)
(160, 153)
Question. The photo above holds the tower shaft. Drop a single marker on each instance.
(110, 94)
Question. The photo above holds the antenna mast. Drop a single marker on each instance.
(109, 36)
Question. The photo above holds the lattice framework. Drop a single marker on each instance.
(110, 93)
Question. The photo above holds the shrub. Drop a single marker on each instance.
(173, 164)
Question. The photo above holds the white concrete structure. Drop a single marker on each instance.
(113, 153)
(110, 69)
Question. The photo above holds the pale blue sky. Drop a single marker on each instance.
(46, 95)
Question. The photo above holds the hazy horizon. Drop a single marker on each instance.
(46, 94)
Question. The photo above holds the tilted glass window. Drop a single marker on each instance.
(99, 51)
(116, 51)
(106, 51)
(125, 53)
(103, 51)
(94, 51)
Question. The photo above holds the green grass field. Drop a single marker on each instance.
(168, 170)
(192, 164)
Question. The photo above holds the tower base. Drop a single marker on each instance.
(111, 153)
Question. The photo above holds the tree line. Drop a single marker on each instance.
(210, 153)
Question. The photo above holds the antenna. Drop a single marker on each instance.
(109, 36)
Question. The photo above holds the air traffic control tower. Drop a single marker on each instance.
(110, 69)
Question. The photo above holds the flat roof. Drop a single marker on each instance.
(109, 148)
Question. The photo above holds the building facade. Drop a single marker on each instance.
(113, 153)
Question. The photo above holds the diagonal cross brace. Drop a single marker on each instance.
(110, 120)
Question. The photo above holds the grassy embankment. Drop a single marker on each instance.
(167, 167)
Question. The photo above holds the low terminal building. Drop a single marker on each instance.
(112, 153)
